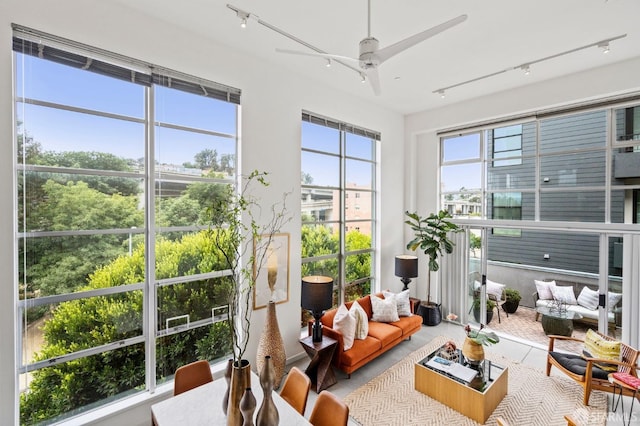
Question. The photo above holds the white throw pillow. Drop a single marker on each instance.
(612, 300)
(384, 310)
(362, 321)
(564, 294)
(402, 302)
(544, 289)
(495, 288)
(588, 298)
(345, 324)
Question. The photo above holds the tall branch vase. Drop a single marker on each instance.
(271, 344)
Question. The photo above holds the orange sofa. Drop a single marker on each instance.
(381, 337)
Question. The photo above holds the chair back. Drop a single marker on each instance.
(295, 389)
(191, 376)
(329, 411)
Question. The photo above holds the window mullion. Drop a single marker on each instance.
(149, 317)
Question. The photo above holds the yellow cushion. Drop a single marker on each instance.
(597, 347)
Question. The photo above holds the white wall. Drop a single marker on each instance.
(272, 101)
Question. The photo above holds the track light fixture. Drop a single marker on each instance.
(525, 67)
(441, 93)
(363, 78)
(243, 17)
(605, 47)
(328, 63)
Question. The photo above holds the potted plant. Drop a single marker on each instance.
(234, 226)
(512, 300)
(476, 309)
(431, 237)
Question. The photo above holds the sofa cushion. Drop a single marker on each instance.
(409, 324)
(345, 323)
(544, 289)
(362, 321)
(385, 333)
(384, 310)
(360, 350)
(612, 300)
(588, 298)
(402, 302)
(564, 294)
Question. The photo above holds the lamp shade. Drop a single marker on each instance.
(406, 266)
(317, 293)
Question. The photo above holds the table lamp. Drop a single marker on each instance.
(406, 268)
(317, 296)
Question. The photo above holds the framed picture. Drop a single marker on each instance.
(272, 259)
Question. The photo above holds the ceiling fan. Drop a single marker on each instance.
(371, 55)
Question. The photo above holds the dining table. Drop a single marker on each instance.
(203, 406)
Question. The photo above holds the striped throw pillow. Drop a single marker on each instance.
(597, 347)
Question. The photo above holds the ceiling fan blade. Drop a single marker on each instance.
(374, 80)
(392, 50)
(320, 55)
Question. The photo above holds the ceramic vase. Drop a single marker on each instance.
(247, 407)
(272, 344)
(240, 381)
(268, 413)
(227, 378)
(472, 351)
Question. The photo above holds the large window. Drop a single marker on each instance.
(116, 166)
(338, 204)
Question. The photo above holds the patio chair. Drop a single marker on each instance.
(586, 370)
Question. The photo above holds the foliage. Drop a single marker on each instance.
(431, 237)
(490, 304)
(481, 337)
(234, 226)
(512, 295)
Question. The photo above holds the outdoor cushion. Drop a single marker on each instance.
(597, 347)
(544, 289)
(588, 298)
(564, 294)
(578, 365)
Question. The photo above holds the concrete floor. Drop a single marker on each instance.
(525, 352)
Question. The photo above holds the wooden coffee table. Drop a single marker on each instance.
(476, 400)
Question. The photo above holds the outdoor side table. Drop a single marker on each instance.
(319, 369)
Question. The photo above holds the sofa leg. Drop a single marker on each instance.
(349, 376)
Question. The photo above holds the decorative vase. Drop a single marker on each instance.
(227, 377)
(268, 413)
(240, 380)
(247, 407)
(271, 344)
(472, 351)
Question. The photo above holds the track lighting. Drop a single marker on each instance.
(441, 93)
(602, 44)
(328, 63)
(363, 78)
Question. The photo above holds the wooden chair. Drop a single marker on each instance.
(585, 371)
(329, 410)
(571, 421)
(191, 376)
(295, 389)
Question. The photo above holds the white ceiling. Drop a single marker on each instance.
(497, 35)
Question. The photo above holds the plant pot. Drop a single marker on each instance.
(472, 351)
(510, 306)
(431, 314)
(476, 315)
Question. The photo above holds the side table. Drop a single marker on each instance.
(619, 384)
(319, 369)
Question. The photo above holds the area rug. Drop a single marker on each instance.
(532, 398)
